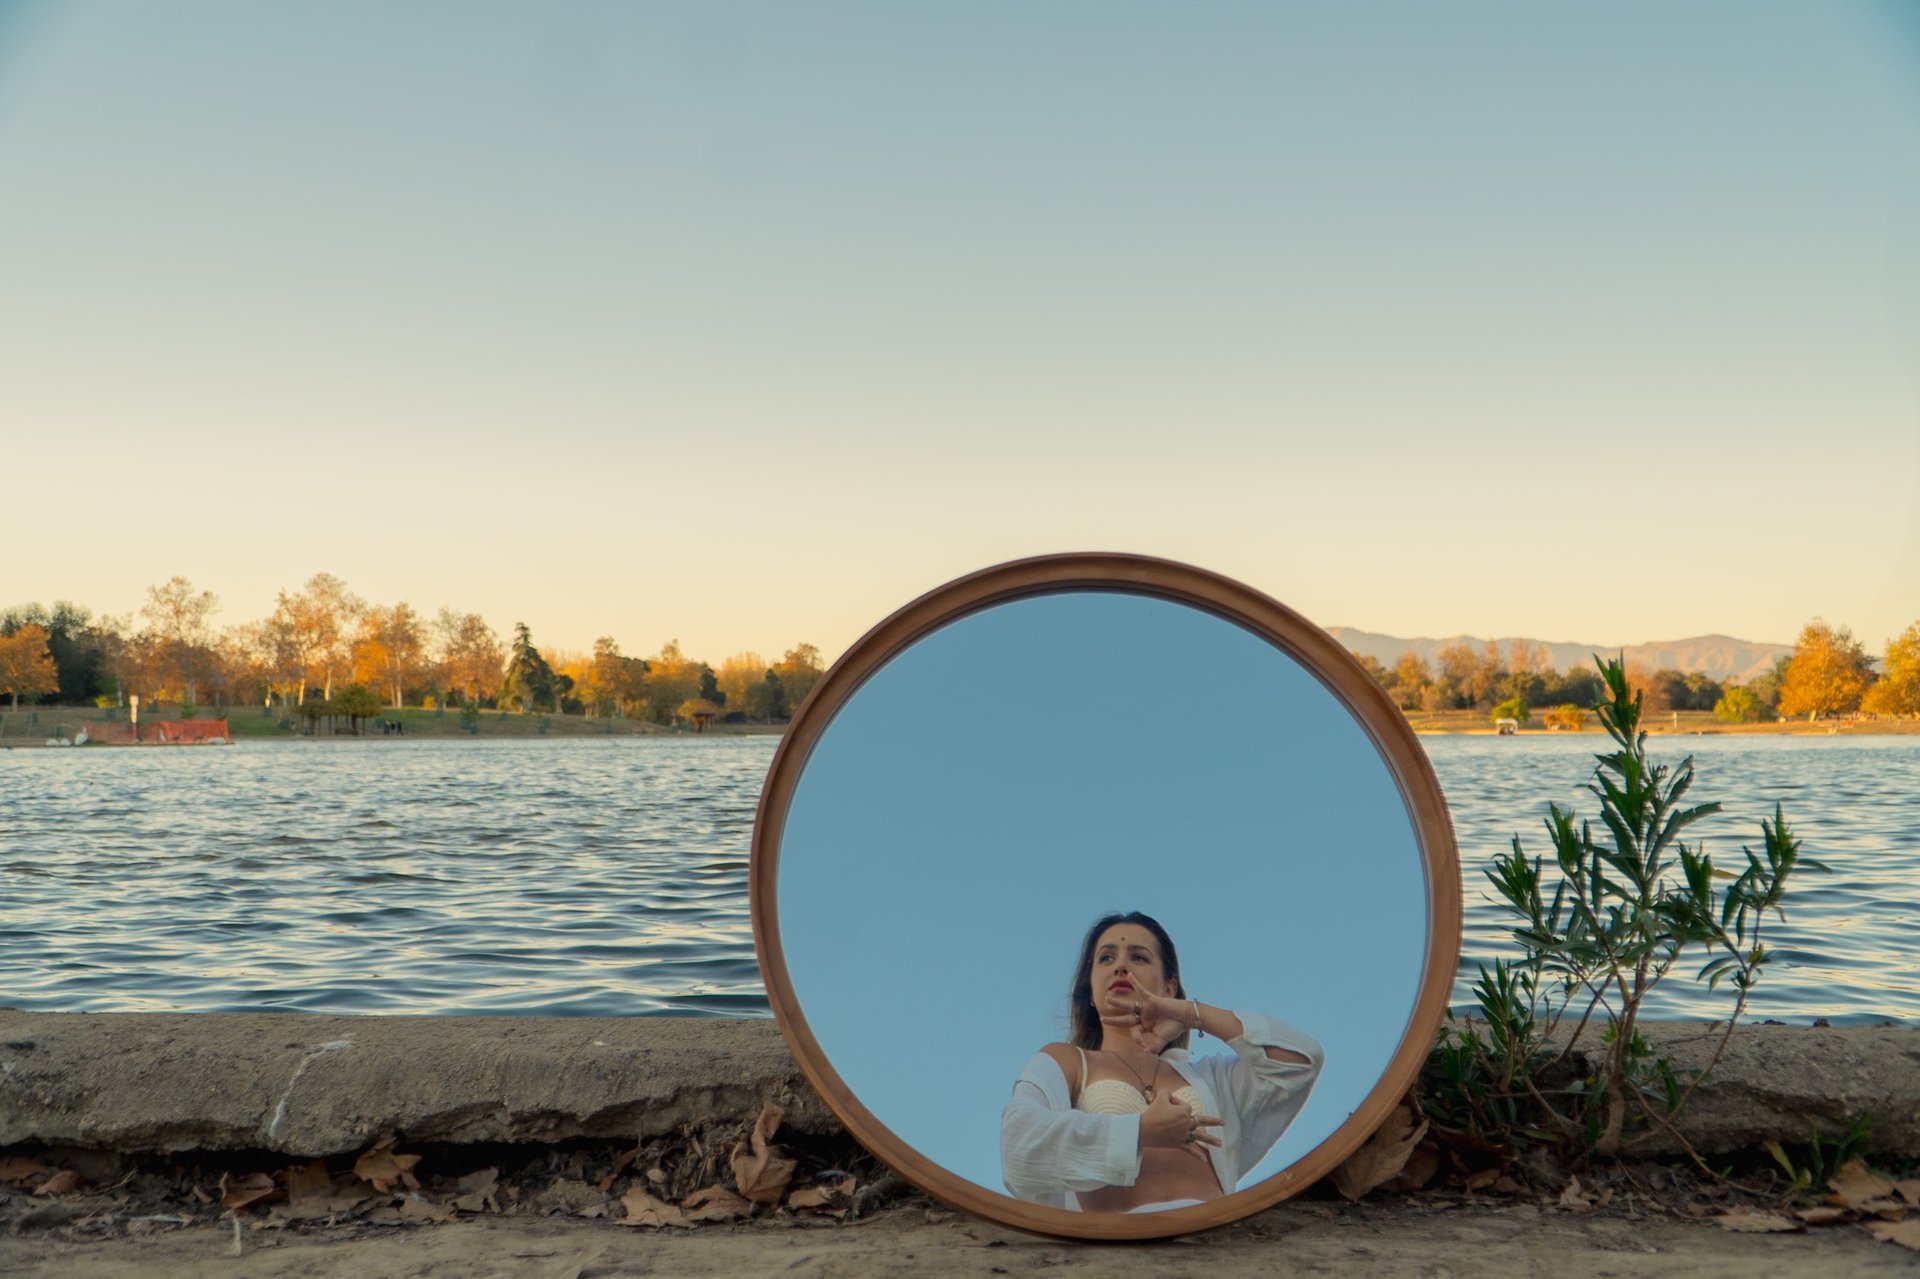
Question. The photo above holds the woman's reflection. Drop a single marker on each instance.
(1124, 1118)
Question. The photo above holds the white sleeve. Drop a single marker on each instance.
(1047, 1148)
(1266, 1094)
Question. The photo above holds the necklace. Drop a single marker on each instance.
(1146, 1089)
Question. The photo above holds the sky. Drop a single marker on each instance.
(744, 324)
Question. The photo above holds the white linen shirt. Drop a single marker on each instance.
(1049, 1150)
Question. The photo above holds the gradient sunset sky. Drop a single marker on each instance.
(746, 323)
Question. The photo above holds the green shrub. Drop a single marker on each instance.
(1600, 927)
(1740, 706)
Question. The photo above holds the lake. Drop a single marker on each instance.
(608, 876)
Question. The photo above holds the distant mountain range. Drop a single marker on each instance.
(1719, 657)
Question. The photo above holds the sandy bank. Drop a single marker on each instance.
(1399, 1237)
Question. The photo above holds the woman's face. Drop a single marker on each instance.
(1126, 959)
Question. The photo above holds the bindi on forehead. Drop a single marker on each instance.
(1110, 943)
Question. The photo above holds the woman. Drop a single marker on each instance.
(1123, 1119)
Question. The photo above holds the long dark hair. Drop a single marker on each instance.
(1085, 1018)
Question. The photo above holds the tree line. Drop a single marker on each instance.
(324, 650)
(1828, 674)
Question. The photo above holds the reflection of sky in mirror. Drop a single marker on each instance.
(1006, 780)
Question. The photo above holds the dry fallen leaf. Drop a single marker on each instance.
(1904, 1233)
(1749, 1221)
(64, 1182)
(19, 1168)
(477, 1192)
(415, 1208)
(644, 1210)
(1907, 1190)
(1482, 1179)
(761, 1170)
(715, 1203)
(308, 1181)
(1422, 1165)
(1854, 1186)
(385, 1170)
(1576, 1197)
(238, 1192)
(1826, 1216)
(828, 1198)
(1382, 1158)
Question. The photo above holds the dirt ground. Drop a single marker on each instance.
(1406, 1236)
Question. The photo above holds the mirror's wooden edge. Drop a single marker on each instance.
(1293, 634)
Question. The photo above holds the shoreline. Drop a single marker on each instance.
(18, 731)
(42, 726)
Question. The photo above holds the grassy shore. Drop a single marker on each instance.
(33, 726)
(1690, 723)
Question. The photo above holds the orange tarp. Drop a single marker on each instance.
(166, 732)
(188, 730)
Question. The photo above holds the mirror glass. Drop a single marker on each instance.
(994, 787)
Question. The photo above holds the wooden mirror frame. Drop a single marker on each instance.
(1322, 656)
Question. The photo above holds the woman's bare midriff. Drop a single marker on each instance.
(1164, 1175)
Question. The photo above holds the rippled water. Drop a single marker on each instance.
(423, 877)
(1849, 948)
(609, 877)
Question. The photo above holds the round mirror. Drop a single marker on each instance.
(1104, 896)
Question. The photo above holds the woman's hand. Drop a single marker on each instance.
(1168, 1124)
(1154, 1021)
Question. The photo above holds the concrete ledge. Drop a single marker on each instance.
(1783, 1083)
(311, 1086)
(303, 1085)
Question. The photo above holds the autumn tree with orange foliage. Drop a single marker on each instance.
(799, 670)
(311, 631)
(178, 638)
(389, 650)
(329, 612)
(473, 660)
(1897, 692)
(737, 677)
(26, 665)
(1828, 674)
(672, 679)
(610, 683)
